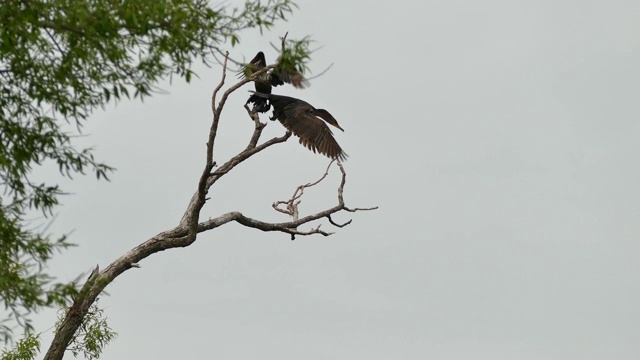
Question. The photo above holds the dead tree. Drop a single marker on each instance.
(185, 233)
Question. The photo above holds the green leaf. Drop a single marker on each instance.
(61, 60)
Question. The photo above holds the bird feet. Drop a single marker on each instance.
(261, 107)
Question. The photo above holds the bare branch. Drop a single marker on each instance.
(224, 75)
(291, 210)
(342, 182)
(190, 217)
(185, 233)
(245, 154)
(336, 224)
(292, 204)
(360, 209)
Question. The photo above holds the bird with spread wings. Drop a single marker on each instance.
(307, 123)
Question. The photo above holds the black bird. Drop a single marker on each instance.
(264, 82)
(307, 123)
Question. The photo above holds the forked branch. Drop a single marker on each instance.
(185, 233)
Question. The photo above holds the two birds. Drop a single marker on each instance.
(298, 116)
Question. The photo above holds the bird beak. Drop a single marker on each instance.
(324, 114)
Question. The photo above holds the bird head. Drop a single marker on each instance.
(324, 114)
(258, 62)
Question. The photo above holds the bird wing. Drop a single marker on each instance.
(313, 132)
(281, 76)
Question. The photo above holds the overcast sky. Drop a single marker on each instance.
(500, 140)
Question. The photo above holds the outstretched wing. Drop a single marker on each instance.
(281, 76)
(299, 118)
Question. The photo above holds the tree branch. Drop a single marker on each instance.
(190, 216)
(291, 226)
(292, 204)
(185, 233)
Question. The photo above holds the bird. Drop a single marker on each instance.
(307, 123)
(275, 77)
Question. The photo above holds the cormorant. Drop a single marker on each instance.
(264, 82)
(307, 123)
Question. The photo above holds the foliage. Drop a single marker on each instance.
(59, 61)
(295, 54)
(23, 284)
(93, 335)
(25, 349)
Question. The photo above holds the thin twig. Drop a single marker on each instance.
(193, 212)
(53, 39)
(321, 73)
(292, 204)
(336, 224)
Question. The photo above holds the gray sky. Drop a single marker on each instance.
(500, 140)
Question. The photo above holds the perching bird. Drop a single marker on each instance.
(274, 77)
(307, 123)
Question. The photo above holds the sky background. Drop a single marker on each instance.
(500, 140)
